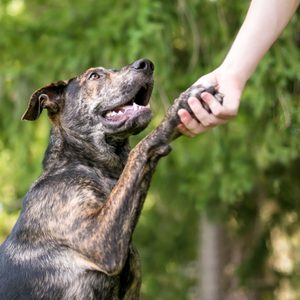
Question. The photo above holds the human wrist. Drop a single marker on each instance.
(229, 73)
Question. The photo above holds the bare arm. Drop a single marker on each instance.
(263, 24)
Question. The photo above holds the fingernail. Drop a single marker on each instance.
(205, 96)
(180, 112)
(181, 115)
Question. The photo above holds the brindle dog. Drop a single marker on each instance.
(73, 237)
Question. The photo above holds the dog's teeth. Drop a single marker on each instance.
(121, 112)
(136, 106)
(111, 114)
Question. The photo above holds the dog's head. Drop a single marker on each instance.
(115, 102)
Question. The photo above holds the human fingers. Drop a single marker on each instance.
(189, 126)
(206, 118)
(223, 110)
(183, 130)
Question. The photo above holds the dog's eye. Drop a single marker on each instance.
(94, 76)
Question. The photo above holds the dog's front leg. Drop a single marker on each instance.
(119, 215)
(116, 220)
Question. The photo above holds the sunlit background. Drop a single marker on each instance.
(221, 220)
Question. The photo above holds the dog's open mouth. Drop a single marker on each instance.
(135, 106)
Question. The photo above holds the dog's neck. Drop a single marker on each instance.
(66, 148)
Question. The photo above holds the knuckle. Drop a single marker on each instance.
(207, 123)
(227, 111)
(191, 125)
(232, 112)
(196, 131)
(218, 111)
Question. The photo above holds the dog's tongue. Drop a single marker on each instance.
(122, 112)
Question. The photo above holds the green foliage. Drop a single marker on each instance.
(230, 171)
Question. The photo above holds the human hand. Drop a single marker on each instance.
(228, 85)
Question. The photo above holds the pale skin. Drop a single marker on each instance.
(263, 24)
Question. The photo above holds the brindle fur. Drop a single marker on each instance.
(73, 237)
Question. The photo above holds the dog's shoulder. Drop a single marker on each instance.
(68, 185)
(59, 199)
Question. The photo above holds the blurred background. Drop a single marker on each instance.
(221, 220)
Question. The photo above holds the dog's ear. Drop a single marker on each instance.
(48, 97)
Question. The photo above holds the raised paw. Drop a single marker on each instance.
(196, 91)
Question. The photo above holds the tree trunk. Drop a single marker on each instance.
(210, 260)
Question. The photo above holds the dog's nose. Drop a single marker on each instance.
(143, 65)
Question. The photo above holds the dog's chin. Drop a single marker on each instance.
(130, 122)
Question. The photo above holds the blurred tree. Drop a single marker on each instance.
(245, 175)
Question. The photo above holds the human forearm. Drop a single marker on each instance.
(264, 22)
